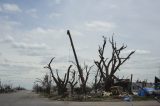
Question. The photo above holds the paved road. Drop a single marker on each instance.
(27, 98)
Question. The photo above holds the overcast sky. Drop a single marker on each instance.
(34, 31)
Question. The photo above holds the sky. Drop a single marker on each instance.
(34, 31)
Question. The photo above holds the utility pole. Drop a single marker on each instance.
(77, 62)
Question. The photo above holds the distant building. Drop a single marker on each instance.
(138, 85)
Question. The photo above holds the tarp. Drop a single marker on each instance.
(145, 91)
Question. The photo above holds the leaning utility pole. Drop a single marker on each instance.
(77, 63)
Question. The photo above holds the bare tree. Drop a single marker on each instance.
(61, 83)
(97, 85)
(45, 84)
(108, 67)
(73, 81)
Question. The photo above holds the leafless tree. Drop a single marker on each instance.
(73, 82)
(108, 67)
(61, 83)
(97, 85)
(45, 84)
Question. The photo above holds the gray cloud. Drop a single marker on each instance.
(137, 52)
(32, 13)
(22, 45)
(51, 2)
(29, 52)
(20, 74)
(100, 25)
(7, 26)
(8, 39)
(0, 9)
(54, 15)
(10, 8)
(30, 49)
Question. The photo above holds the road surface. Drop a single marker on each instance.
(27, 98)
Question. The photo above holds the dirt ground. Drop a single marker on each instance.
(27, 98)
